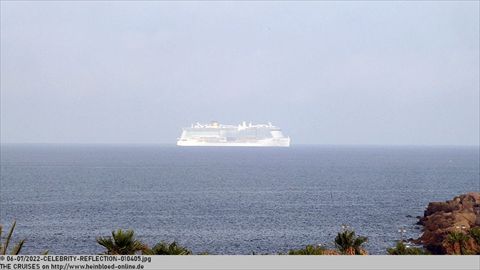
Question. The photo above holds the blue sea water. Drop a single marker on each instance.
(225, 200)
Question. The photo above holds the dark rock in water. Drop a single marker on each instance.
(409, 216)
(457, 215)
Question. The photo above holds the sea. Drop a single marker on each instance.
(225, 200)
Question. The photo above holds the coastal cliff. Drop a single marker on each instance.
(452, 227)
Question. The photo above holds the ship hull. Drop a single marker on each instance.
(262, 143)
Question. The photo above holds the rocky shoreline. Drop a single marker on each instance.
(452, 227)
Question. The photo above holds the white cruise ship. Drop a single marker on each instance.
(215, 134)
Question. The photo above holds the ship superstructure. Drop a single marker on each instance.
(215, 134)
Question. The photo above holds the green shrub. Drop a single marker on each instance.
(457, 243)
(121, 243)
(349, 244)
(475, 234)
(308, 250)
(402, 249)
(163, 248)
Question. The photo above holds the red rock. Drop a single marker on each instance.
(457, 215)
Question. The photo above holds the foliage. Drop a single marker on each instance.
(4, 246)
(308, 250)
(402, 249)
(18, 247)
(454, 237)
(349, 244)
(457, 242)
(255, 253)
(121, 243)
(475, 234)
(163, 248)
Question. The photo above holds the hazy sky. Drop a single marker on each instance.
(325, 72)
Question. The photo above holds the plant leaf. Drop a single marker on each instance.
(16, 249)
(9, 236)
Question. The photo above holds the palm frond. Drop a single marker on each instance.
(347, 242)
(1, 245)
(163, 248)
(9, 236)
(121, 243)
(16, 249)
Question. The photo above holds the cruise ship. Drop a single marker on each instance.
(215, 134)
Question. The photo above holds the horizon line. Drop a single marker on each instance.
(296, 144)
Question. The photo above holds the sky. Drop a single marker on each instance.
(382, 73)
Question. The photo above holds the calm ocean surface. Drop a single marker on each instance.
(224, 200)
